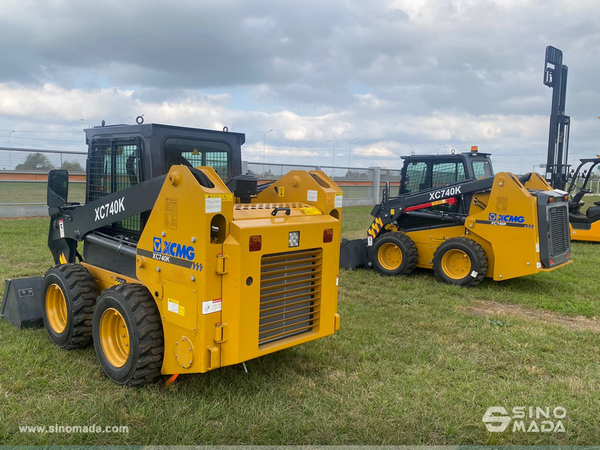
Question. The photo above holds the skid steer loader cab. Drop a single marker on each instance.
(186, 264)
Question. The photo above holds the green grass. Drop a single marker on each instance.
(28, 192)
(409, 366)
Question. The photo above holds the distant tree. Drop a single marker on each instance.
(72, 166)
(36, 161)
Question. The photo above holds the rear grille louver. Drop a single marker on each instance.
(559, 230)
(290, 294)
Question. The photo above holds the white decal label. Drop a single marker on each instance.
(173, 306)
(537, 247)
(213, 205)
(370, 241)
(337, 280)
(109, 209)
(539, 265)
(339, 200)
(312, 196)
(474, 274)
(211, 306)
(61, 228)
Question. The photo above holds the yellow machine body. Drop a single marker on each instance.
(223, 301)
(512, 251)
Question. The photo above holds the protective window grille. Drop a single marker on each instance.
(416, 177)
(447, 173)
(112, 167)
(195, 153)
(482, 169)
(290, 294)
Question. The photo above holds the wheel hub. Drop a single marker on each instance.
(389, 256)
(456, 264)
(56, 308)
(114, 337)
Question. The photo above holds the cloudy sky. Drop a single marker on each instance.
(440, 73)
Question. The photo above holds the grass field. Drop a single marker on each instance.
(415, 362)
(30, 192)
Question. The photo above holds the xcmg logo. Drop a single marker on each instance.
(506, 218)
(174, 249)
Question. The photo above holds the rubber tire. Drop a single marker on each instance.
(80, 292)
(479, 261)
(406, 246)
(142, 318)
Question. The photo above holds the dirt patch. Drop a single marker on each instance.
(489, 308)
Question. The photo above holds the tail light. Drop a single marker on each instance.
(255, 243)
(328, 235)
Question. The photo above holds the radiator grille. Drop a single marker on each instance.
(559, 230)
(290, 294)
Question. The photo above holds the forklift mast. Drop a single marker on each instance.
(555, 77)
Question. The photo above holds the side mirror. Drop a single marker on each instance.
(58, 188)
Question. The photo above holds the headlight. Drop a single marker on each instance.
(294, 239)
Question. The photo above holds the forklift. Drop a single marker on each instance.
(585, 225)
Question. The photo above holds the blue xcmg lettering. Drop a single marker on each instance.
(173, 249)
(506, 218)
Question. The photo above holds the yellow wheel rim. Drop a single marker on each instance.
(456, 264)
(114, 337)
(389, 256)
(56, 308)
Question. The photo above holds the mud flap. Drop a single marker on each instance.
(22, 303)
(353, 253)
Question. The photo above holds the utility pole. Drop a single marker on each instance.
(350, 150)
(264, 133)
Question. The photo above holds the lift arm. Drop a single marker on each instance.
(390, 210)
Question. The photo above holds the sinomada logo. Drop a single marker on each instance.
(525, 419)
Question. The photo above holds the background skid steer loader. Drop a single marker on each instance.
(452, 216)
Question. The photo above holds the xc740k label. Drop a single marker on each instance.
(109, 209)
(450, 192)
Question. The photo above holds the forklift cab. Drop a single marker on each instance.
(579, 219)
(420, 172)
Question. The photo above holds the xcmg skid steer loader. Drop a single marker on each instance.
(454, 216)
(183, 264)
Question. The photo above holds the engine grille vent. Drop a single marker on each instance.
(559, 230)
(290, 294)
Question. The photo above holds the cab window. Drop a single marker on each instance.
(195, 153)
(415, 178)
(482, 169)
(445, 173)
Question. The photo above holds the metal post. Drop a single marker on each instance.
(376, 183)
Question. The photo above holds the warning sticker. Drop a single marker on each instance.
(171, 213)
(213, 204)
(312, 196)
(311, 211)
(173, 306)
(61, 228)
(211, 306)
(339, 200)
(502, 204)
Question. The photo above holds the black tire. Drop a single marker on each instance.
(460, 261)
(69, 294)
(394, 254)
(137, 358)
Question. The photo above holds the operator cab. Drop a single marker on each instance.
(421, 172)
(120, 156)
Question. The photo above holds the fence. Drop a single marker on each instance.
(24, 174)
